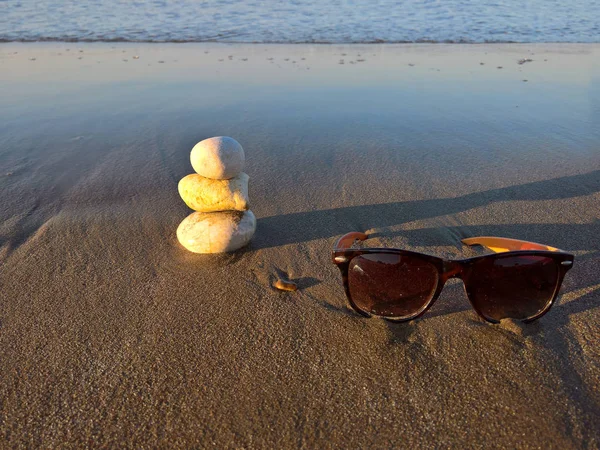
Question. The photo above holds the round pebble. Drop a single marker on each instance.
(219, 158)
(216, 232)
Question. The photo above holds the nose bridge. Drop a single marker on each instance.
(452, 269)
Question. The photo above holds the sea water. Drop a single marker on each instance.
(301, 21)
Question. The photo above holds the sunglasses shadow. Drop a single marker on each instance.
(401, 333)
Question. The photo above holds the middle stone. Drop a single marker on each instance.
(208, 195)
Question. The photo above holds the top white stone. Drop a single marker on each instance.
(219, 158)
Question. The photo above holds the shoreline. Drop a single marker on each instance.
(374, 42)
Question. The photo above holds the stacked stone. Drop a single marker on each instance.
(218, 192)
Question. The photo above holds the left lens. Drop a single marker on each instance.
(516, 287)
(392, 285)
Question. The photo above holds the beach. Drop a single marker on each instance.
(112, 334)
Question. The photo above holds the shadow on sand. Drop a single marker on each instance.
(301, 227)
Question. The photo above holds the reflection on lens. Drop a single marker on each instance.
(391, 285)
(516, 287)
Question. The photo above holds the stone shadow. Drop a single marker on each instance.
(306, 226)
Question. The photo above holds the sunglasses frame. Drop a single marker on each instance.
(447, 269)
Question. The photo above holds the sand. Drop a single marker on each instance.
(111, 334)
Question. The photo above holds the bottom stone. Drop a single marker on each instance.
(216, 232)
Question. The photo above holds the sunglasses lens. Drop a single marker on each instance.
(516, 287)
(391, 285)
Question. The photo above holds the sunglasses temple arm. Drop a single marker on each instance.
(347, 240)
(499, 245)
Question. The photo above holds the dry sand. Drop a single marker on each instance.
(111, 334)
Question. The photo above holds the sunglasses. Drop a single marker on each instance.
(521, 280)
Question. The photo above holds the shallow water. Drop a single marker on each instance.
(292, 21)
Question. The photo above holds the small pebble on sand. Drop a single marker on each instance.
(284, 285)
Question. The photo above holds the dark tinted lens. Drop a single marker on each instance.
(517, 287)
(391, 285)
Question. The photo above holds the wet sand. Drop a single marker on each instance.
(111, 334)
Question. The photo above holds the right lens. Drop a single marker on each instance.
(391, 285)
(516, 287)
